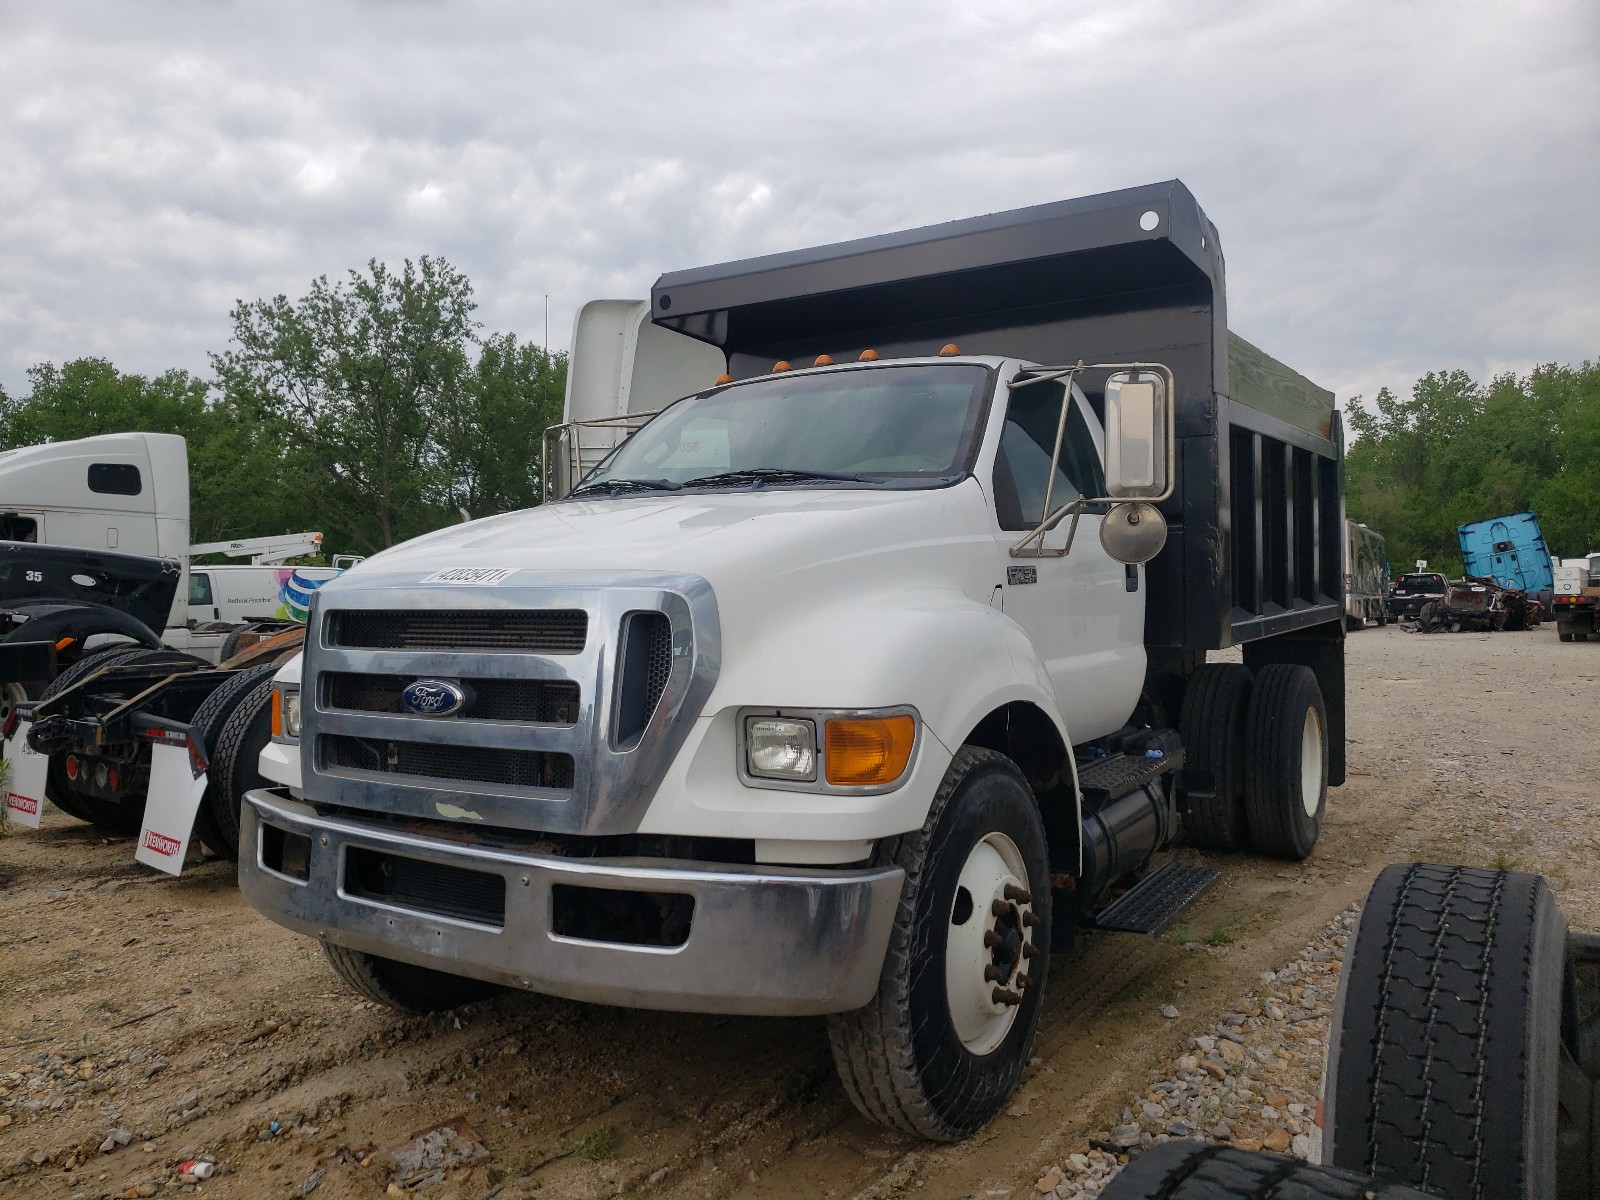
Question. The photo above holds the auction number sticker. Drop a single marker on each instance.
(473, 576)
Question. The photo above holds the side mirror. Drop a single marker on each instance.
(1138, 436)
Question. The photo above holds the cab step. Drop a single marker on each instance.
(1111, 778)
(1154, 903)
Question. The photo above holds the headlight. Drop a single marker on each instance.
(286, 713)
(781, 748)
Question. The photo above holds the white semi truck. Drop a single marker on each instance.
(860, 677)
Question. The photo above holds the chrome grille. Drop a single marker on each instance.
(539, 701)
(544, 631)
(471, 764)
(555, 662)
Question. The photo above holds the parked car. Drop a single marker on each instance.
(1412, 591)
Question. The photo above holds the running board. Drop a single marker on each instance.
(1157, 900)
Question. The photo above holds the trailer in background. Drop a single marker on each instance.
(1366, 576)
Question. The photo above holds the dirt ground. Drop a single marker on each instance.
(167, 1009)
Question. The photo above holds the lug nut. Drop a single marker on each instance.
(1005, 996)
(1014, 893)
(1029, 950)
(999, 908)
(1024, 980)
(992, 940)
(1032, 920)
(994, 974)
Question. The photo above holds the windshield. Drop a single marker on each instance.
(892, 426)
(1418, 582)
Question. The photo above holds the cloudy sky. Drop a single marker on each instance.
(1400, 186)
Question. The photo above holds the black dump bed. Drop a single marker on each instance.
(1257, 516)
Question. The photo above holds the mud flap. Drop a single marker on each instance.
(24, 781)
(169, 813)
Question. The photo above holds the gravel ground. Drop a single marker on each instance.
(1251, 1080)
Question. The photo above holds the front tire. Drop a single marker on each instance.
(1446, 1036)
(405, 987)
(941, 1047)
(1286, 761)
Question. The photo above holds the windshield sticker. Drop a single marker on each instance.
(473, 576)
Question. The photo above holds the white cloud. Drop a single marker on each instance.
(1399, 187)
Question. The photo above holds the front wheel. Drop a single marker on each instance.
(405, 987)
(941, 1047)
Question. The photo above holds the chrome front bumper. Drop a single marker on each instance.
(781, 941)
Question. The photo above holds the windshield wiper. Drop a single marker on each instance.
(612, 486)
(758, 476)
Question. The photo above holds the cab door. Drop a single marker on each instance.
(1083, 612)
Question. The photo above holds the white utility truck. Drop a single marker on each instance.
(858, 679)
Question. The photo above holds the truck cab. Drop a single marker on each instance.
(854, 681)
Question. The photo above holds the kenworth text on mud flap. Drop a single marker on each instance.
(839, 688)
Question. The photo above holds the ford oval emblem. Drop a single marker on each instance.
(435, 697)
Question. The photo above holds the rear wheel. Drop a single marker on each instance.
(57, 786)
(1212, 727)
(405, 986)
(1286, 761)
(219, 835)
(941, 1047)
(237, 767)
(1446, 1037)
(1565, 637)
(124, 816)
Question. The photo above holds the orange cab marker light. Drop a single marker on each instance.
(722, 379)
(823, 360)
(64, 643)
(868, 356)
(949, 350)
(868, 751)
(781, 365)
(277, 713)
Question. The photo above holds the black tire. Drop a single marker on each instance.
(230, 644)
(1428, 616)
(1199, 1171)
(1212, 727)
(57, 788)
(1285, 794)
(403, 986)
(209, 721)
(901, 1059)
(1565, 637)
(236, 765)
(1446, 1034)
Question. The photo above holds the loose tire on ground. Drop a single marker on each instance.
(210, 720)
(1286, 761)
(236, 762)
(57, 787)
(403, 986)
(940, 1048)
(1197, 1171)
(1212, 727)
(1445, 1037)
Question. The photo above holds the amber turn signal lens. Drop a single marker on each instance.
(864, 751)
(277, 713)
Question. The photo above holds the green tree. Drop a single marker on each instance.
(357, 378)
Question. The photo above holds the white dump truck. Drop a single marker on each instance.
(854, 681)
